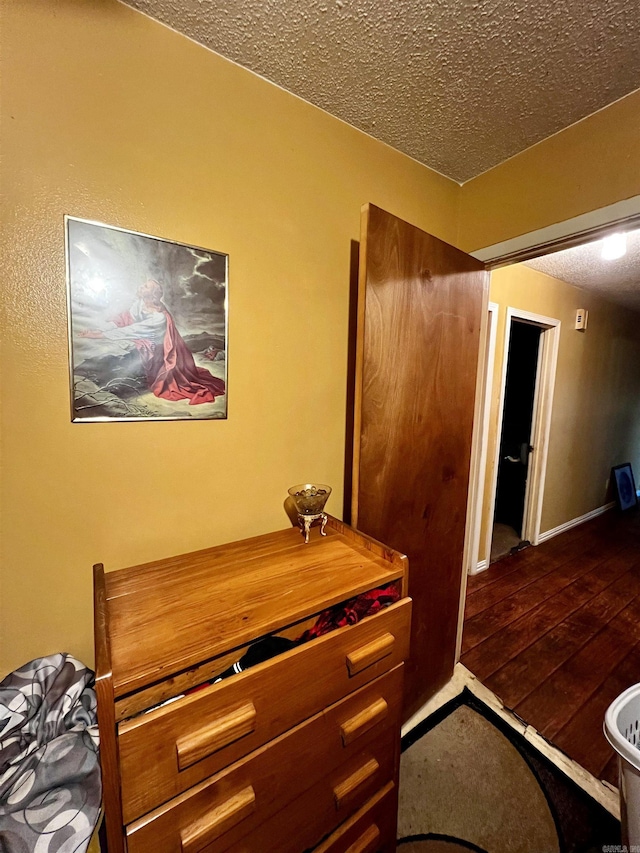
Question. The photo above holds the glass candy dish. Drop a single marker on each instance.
(310, 500)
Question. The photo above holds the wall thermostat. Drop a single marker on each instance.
(582, 316)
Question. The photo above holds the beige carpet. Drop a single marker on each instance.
(465, 780)
(470, 782)
(503, 541)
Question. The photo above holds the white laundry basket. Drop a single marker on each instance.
(622, 730)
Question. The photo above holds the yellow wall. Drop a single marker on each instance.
(595, 420)
(109, 116)
(112, 117)
(589, 165)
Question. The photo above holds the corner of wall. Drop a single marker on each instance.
(587, 166)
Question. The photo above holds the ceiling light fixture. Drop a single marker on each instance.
(614, 246)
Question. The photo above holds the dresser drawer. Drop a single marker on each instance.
(167, 751)
(350, 750)
(372, 829)
(311, 817)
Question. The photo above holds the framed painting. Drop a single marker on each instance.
(147, 326)
(625, 486)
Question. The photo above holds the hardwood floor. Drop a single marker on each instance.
(554, 631)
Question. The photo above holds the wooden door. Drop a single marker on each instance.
(420, 304)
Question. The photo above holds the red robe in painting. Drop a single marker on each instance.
(170, 369)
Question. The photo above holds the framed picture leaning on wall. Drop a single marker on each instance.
(147, 326)
(625, 486)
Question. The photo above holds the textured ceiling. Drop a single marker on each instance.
(618, 281)
(461, 85)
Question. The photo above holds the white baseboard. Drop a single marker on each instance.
(549, 534)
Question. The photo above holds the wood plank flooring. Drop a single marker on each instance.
(554, 631)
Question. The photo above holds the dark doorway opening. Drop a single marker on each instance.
(515, 439)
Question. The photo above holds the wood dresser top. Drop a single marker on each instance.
(168, 615)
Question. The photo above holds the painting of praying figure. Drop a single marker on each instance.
(147, 326)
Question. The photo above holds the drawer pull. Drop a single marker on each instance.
(344, 790)
(368, 841)
(362, 722)
(212, 825)
(220, 732)
(370, 653)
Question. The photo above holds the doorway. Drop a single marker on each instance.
(528, 379)
(515, 438)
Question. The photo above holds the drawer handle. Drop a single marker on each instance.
(362, 722)
(220, 732)
(344, 790)
(369, 654)
(368, 841)
(212, 825)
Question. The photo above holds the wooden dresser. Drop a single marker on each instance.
(299, 752)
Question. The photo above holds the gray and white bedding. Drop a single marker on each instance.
(50, 788)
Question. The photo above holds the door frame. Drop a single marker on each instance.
(541, 420)
(477, 503)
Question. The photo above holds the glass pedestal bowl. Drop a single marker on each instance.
(310, 500)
